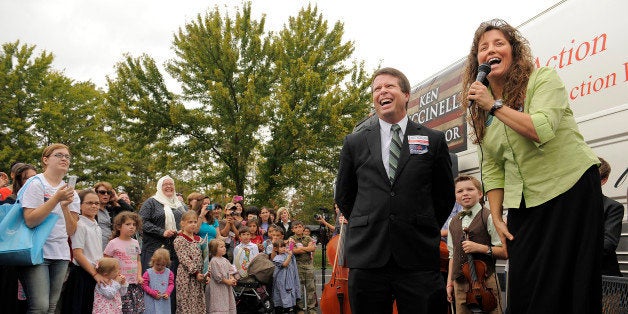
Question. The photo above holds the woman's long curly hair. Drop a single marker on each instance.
(517, 75)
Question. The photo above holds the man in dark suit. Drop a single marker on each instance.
(395, 201)
(613, 217)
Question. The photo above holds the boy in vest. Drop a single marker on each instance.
(303, 246)
(483, 244)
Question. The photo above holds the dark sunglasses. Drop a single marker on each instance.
(103, 192)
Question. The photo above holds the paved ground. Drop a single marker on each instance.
(319, 286)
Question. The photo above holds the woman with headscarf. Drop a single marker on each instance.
(161, 215)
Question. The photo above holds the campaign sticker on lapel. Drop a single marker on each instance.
(418, 144)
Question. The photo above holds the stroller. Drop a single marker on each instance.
(250, 293)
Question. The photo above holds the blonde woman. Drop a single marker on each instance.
(284, 222)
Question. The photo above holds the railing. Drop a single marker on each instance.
(614, 295)
(614, 291)
(622, 250)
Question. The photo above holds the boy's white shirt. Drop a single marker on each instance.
(253, 251)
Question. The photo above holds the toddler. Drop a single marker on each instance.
(107, 297)
(158, 283)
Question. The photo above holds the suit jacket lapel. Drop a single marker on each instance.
(374, 140)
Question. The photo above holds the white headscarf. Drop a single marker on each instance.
(168, 202)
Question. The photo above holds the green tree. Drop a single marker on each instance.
(264, 113)
(319, 96)
(225, 66)
(67, 113)
(22, 75)
(148, 121)
(41, 106)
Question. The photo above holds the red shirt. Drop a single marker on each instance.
(258, 239)
(4, 192)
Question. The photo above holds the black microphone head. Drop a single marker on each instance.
(484, 67)
(483, 70)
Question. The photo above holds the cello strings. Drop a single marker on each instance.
(338, 247)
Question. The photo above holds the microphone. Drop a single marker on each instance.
(483, 70)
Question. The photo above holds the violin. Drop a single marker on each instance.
(335, 296)
(444, 257)
(479, 297)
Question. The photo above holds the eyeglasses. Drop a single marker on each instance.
(103, 192)
(61, 156)
(91, 203)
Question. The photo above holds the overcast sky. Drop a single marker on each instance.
(88, 37)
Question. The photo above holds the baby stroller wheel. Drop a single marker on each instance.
(267, 306)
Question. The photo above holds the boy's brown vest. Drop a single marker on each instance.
(477, 233)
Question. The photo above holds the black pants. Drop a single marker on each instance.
(78, 296)
(8, 286)
(555, 257)
(373, 290)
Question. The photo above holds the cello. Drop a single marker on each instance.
(479, 297)
(335, 295)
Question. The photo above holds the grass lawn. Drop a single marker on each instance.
(318, 255)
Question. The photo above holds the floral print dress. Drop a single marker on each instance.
(190, 291)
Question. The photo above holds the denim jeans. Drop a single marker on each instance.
(42, 284)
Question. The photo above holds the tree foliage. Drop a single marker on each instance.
(318, 95)
(148, 120)
(259, 114)
(22, 76)
(41, 106)
(225, 65)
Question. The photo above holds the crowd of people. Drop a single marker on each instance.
(170, 255)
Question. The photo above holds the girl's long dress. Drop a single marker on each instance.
(286, 288)
(190, 292)
(222, 298)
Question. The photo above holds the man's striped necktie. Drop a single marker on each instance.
(395, 152)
